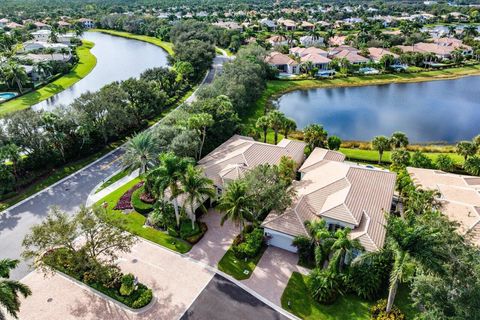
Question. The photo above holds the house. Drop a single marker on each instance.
(40, 45)
(459, 195)
(277, 41)
(300, 52)
(376, 54)
(337, 40)
(307, 26)
(309, 41)
(454, 43)
(228, 25)
(237, 155)
(289, 25)
(319, 61)
(4, 22)
(13, 25)
(41, 35)
(87, 23)
(41, 26)
(349, 53)
(342, 194)
(36, 58)
(442, 50)
(271, 25)
(64, 24)
(283, 63)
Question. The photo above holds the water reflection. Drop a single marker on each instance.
(117, 59)
(434, 111)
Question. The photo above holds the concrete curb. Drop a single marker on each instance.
(104, 296)
(94, 197)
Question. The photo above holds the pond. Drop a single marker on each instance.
(117, 59)
(436, 111)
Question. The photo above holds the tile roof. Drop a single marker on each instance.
(459, 194)
(239, 154)
(277, 58)
(332, 189)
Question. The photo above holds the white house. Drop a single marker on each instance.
(309, 41)
(87, 23)
(342, 194)
(40, 45)
(283, 63)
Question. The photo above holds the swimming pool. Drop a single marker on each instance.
(7, 95)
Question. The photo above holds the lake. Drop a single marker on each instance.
(436, 111)
(117, 59)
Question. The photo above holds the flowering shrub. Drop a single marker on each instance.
(378, 312)
(125, 201)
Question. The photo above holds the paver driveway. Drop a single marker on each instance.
(212, 247)
(272, 273)
(176, 283)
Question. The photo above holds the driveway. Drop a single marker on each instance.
(222, 299)
(212, 247)
(271, 275)
(175, 281)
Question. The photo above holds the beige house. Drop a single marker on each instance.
(376, 54)
(277, 40)
(460, 197)
(237, 155)
(342, 194)
(283, 63)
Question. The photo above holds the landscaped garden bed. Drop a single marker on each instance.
(242, 257)
(141, 201)
(120, 287)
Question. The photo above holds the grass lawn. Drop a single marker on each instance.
(235, 267)
(56, 175)
(167, 46)
(135, 222)
(86, 63)
(372, 155)
(346, 307)
(112, 180)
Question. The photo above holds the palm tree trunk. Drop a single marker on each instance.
(192, 217)
(392, 292)
(177, 214)
(264, 135)
(380, 157)
(276, 136)
(201, 144)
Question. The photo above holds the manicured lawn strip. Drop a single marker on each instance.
(167, 46)
(56, 175)
(372, 155)
(112, 180)
(346, 307)
(233, 266)
(135, 222)
(86, 63)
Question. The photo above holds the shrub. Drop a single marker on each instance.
(172, 231)
(195, 238)
(186, 229)
(137, 203)
(378, 312)
(162, 216)
(143, 300)
(400, 158)
(420, 160)
(128, 285)
(251, 246)
(444, 163)
(323, 286)
(125, 201)
(472, 165)
(305, 250)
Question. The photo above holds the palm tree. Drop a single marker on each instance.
(470, 31)
(399, 140)
(16, 74)
(201, 122)
(288, 125)
(168, 175)
(275, 121)
(236, 204)
(64, 51)
(412, 244)
(466, 149)
(197, 189)
(45, 68)
(262, 123)
(141, 152)
(321, 238)
(343, 249)
(315, 136)
(10, 289)
(381, 144)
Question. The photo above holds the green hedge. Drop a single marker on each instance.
(138, 205)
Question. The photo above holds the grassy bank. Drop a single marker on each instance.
(297, 300)
(85, 65)
(167, 46)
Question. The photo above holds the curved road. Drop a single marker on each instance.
(68, 194)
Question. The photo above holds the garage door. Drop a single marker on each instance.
(280, 240)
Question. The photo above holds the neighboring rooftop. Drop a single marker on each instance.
(460, 196)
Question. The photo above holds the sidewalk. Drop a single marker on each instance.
(95, 197)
